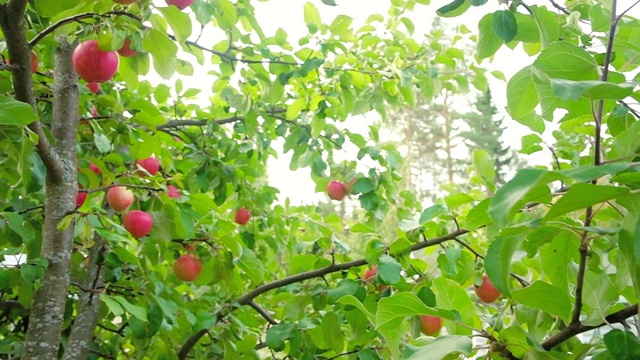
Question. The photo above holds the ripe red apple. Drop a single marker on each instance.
(181, 4)
(187, 267)
(125, 2)
(430, 325)
(486, 291)
(137, 223)
(93, 64)
(173, 192)
(151, 164)
(126, 50)
(336, 190)
(119, 198)
(81, 197)
(242, 216)
(94, 168)
(34, 62)
(370, 273)
(94, 87)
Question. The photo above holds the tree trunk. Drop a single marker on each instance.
(47, 313)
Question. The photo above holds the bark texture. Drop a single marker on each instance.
(47, 312)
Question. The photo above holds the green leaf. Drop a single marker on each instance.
(440, 348)
(452, 296)
(226, 14)
(514, 193)
(389, 269)
(134, 310)
(488, 42)
(363, 186)
(581, 196)
(545, 297)
(145, 330)
(623, 345)
(485, 167)
(392, 310)
(599, 294)
(31, 273)
(277, 334)
(14, 112)
(454, 8)
(504, 25)
(547, 24)
(178, 20)
(352, 300)
(113, 305)
(345, 287)
(522, 96)
(430, 213)
(332, 332)
(497, 262)
(626, 143)
(163, 51)
(592, 172)
(629, 241)
(564, 60)
(125, 256)
(478, 216)
(593, 89)
(252, 266)
(50, 8)
(557, 257)
(329, 2)
(312, 17)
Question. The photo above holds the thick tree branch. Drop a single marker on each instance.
(47, 314)
(10, 305)
(12, 26)
(575, 329)
(248, 298)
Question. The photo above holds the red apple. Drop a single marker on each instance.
(34, 62)
(126, 50)
(336, 190)
(125, 2)
(81, 197)
(93, 64)
(181, 4)
(349, 186)
(94, 168)
(94, 111)
(173, 192)
(137, 223)
(486, 291)
(119, 198)
(430, 325)
(151, 164)
(370, 273)
(242, 216)
(187, 267)
(94, 87)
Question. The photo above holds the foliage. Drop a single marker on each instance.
(285, 285)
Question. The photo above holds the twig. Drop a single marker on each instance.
(557, 6)
(263, 312)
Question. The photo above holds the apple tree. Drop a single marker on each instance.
(137, 220)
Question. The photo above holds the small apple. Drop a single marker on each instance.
(370, 273)
(94, 168)
(349, 186)
(180, 4)
(137, 223)
(94, 87)
(119, 198)
(125, 2)
(336, 190)
(93, 64)
(187, 267)
(430, 325)
(81, 197)
(190, 248)
(242, 216)
(126, 50)
(486, 291)
(34, 62)
(173, 192)
(151, 164)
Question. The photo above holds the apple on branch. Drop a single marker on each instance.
(486, 291)
(92, 64)
(187, 267)
(119, 198)
(370, 273)
(180, 4)
(430, 325)
(150, 164)
(336, 190)
(242, 216)
(137, 223)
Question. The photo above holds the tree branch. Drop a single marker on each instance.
(247, 298)
(178, 123)
(263, 312)
(575, 329)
